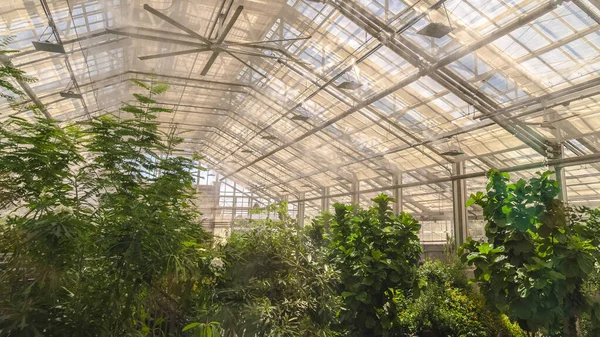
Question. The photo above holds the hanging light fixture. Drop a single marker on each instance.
(352, 84)
(48, 46)
(300, 118)
(453, 148)
(70, 94)
(437, 29)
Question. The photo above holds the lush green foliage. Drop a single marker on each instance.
(377, 253)
(109, 246)
(276, 283)
(537, 258)
(8, 73)
(446, 306)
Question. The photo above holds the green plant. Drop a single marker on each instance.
(276, 283)
(107, 246)
(537, 258)
(376, 252)
(212, 329)
(8, 73)
(319, 228)
(446, 306)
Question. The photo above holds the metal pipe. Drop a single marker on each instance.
(566, 162)
(425, 71)
(5, 60)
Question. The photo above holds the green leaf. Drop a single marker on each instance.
(484, 248)
(190, 326)
(144, 99)
(586, 263)
(376, 254)
(347, 294)
(363, 297)
(139, 83)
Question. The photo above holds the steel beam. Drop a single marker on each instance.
(301, 210)
(324, 199)
(565, 162)
(5, 60)
(424, 71)
(459, 199)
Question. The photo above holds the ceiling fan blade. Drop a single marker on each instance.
(249, 43)
(242, 52)
(176, 24)
(261, 47)
(175, 53)
(155, 38)
(209, 64)
(246, 64)
(564, 118)
(230, 24)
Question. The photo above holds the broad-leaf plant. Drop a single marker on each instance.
(538, 255)
(377, 253)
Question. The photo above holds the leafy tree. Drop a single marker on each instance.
(376, 252)
(43, 228)
(537, 257)
(276, 282)
(109, 245)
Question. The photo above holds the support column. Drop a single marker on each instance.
(562, 183)
(355, 189)
(234, 208)
(325, 199)
(215, 203)
(301, 205)
(459, 199)
(556, 151)
(397, 180)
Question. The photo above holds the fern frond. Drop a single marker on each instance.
(139, 83)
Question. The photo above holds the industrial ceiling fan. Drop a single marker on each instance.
(216, 46)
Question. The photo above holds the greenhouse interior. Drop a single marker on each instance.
(300, 168)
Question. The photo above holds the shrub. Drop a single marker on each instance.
(538, 255)
(377, 253)
(277, 283)
(446, 306)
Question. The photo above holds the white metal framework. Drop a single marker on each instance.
(299, 99)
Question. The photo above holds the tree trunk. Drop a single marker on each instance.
(570, 326)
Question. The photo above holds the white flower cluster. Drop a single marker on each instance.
(63, 209)
(217, 263)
